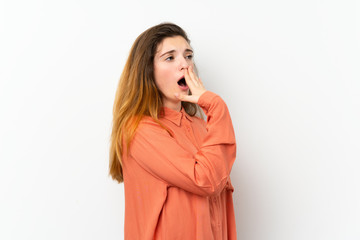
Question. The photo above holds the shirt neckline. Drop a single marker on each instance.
(175, 116)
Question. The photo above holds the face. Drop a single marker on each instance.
(173, 56)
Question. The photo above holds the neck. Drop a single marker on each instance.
(173, 105)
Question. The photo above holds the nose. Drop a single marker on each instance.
(183, 63)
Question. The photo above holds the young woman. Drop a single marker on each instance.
(175, 166)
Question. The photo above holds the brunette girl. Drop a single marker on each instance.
(175, 166)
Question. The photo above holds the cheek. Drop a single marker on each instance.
(162, 77)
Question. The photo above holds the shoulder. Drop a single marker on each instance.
(148, 126)
(149, 134)
(147, 121)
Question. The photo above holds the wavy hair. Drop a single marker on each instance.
(137, 95)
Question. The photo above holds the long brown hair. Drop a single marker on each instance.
(137, 94)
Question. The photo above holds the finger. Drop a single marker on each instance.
(189, 81)
(187, 98)
(192, 74)
(193, 77)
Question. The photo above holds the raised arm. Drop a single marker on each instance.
(204, 173)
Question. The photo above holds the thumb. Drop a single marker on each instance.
(187, 98)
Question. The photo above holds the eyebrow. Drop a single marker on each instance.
(171, 51)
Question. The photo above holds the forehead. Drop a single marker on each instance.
(177, 43)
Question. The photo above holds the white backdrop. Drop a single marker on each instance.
(288, 70)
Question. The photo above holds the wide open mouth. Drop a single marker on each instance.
(182, 82)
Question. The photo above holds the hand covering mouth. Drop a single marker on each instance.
(182, 82)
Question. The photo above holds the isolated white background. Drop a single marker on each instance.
(288, 70)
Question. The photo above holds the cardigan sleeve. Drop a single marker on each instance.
(204, 173)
